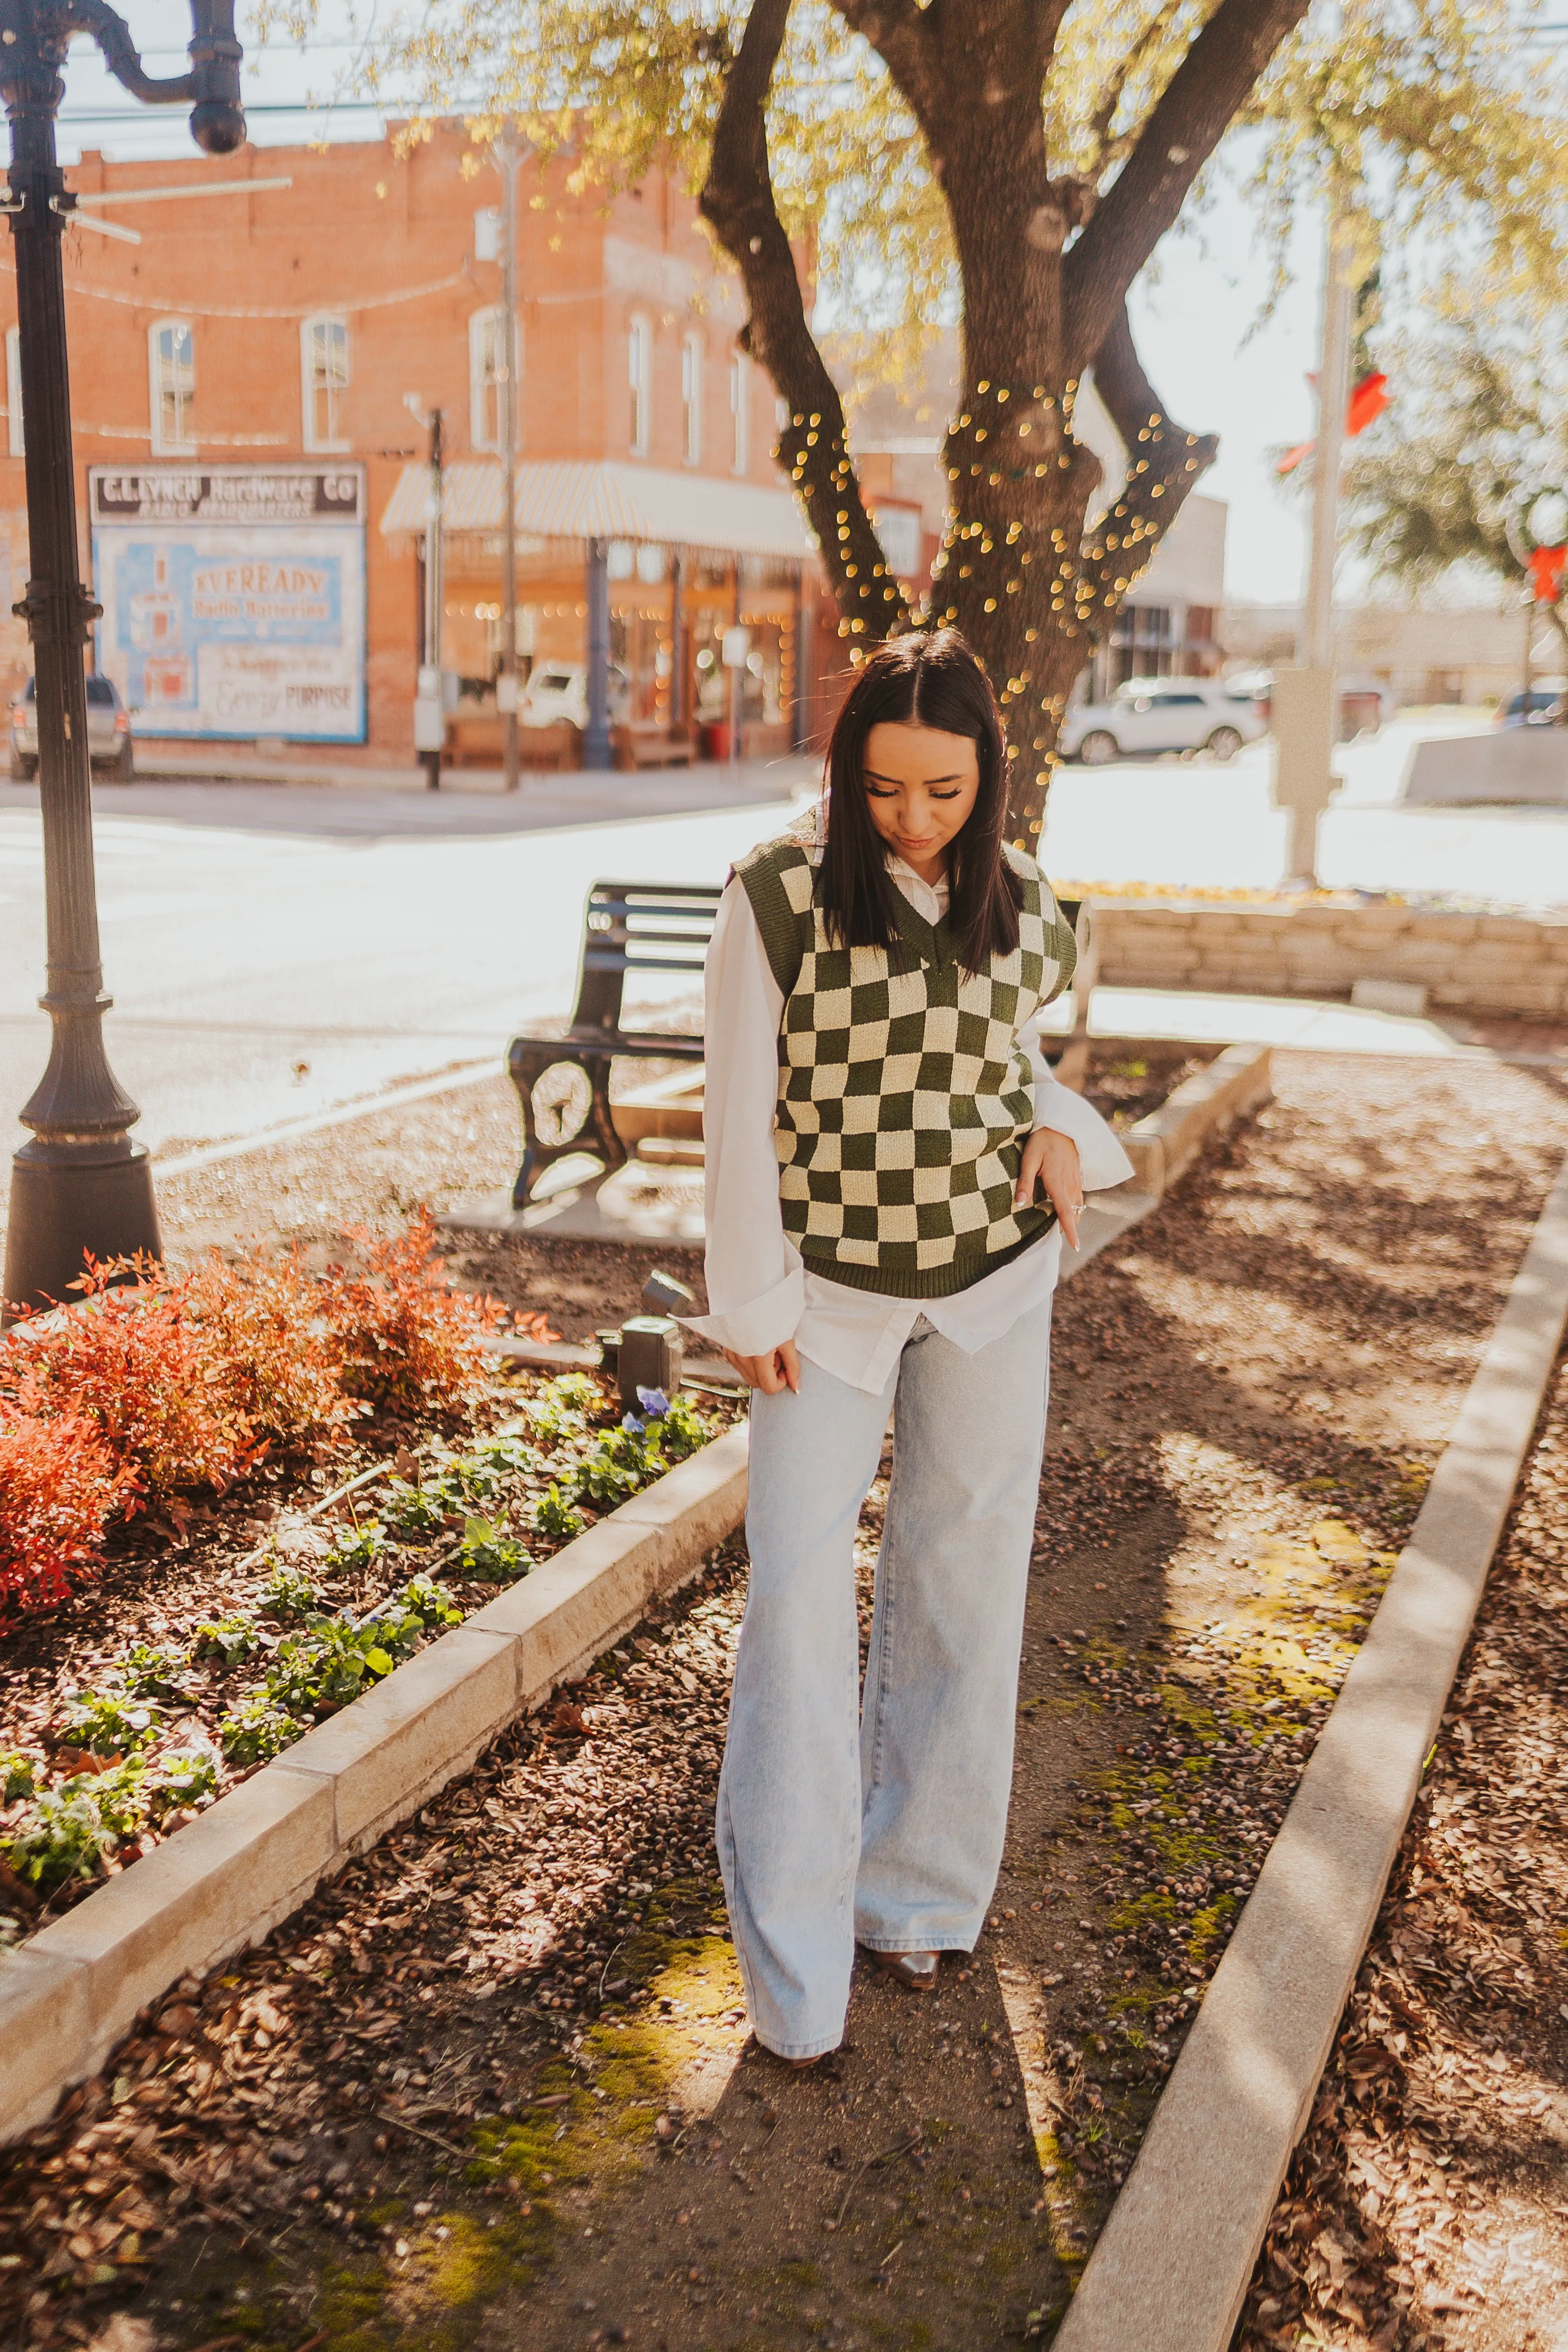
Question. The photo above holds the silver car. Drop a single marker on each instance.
(1148, 715)
(107, 731)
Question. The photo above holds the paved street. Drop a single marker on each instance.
(274, 949)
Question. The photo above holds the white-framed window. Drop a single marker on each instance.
(324, 382)
(487, 362)
(693, 359)
(172, 388)
(639, 378)
(741, 411)
(15, 436)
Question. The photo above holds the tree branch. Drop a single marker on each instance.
(737, 199)
(1120, 75)
(1163, 464)
(901, 34)
(1198, 103)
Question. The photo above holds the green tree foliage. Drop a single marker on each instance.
(1014, 164)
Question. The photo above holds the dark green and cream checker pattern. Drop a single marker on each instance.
(904, 1095)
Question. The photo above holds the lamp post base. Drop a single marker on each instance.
(62, 1206)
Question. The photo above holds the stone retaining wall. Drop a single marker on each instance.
(1472, 963)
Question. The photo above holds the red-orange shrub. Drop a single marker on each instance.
(403, 1341)
(259, 1323)
(132, 1363)
(58, 1486)
(155, 1387)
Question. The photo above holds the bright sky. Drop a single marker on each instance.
(1192, 322)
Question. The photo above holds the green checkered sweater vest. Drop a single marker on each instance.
(904, 1095)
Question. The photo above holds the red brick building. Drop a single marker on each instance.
(255, 484)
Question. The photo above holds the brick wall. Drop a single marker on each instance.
(385, 240)
(1472, 963)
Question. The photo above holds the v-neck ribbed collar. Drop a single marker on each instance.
(932, 942)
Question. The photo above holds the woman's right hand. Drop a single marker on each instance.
(779, 1369)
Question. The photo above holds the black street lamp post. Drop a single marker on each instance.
(79, 1184)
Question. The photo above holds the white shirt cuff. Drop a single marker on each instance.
(761, 1325)
(1102, 1161)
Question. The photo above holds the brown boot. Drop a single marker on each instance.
(916, 1970)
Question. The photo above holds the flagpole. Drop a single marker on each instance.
(1315, 647)
(1304, 700)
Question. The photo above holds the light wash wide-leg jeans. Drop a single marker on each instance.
(882, 1823)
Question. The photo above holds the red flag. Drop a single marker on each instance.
(1369, 399)
(1546, 572)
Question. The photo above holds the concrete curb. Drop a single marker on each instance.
(212, 1155)
(1165, 1142)
(69, 1993)
(1171, 2271)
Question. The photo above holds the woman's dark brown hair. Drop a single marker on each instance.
(928, 678)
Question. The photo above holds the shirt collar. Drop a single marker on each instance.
(927, 898)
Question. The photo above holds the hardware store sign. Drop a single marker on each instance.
(234, 598)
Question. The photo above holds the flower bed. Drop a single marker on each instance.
(222, 1589)
(1127, 1078)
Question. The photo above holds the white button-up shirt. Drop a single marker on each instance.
(759, 1292)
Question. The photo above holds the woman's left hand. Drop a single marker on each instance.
(1051, 1159)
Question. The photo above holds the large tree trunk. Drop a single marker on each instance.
(1031, 585)
(1018, 482)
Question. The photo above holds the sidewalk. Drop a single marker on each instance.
(213, 764)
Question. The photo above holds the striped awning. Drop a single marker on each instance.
(568, 501)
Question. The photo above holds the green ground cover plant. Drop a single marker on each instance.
(146, 1740)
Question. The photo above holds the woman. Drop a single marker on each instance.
(881, 1123)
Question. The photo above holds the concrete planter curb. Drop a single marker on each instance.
(226, 1879)
(1171, 2270)
(1166, 1141)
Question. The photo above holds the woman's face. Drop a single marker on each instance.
(920, 786)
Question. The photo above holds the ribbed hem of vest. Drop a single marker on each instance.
(931, 1281)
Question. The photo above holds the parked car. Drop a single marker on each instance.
(107, 731)
(1545, 706)
(1163, 714)
(560, 690)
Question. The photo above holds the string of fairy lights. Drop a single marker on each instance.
(1130, 529)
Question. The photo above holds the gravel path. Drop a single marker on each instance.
(1250, 1392)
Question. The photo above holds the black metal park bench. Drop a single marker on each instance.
(564, 1081)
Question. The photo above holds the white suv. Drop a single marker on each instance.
(1163, 714)
(560, 690)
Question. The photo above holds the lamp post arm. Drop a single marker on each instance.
(112, 34)
(217, 118)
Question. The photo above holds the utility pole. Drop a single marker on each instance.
(506, 685)
(78, 1184)
(1304, 699)
(429, 714)
(598, 750)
